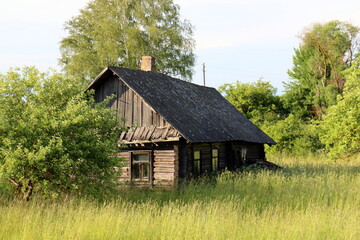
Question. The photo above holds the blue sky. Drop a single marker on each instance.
(237, 39)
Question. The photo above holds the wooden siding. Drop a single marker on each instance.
(125, 163)
(164, 167)
(131, 107)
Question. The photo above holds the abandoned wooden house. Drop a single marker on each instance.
(176, 129)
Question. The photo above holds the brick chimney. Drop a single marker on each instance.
(148, 64)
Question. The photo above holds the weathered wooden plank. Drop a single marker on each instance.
(165, 155)
(145, 133)
(163, 170)
(131, 101)
(164, 183)
(130, 135)
(122, 153)
(136, 133)
(164, 151)
(122, 135)
(154, 119)
(128, 108)
(164, 176)
(157, 159)
(141, 131)
(137, 110)
(151, 130)
(125, 172)
(147, 115)
(163, 164)
(164, 159)
(177, 164)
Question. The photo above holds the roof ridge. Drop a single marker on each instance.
(163, 74)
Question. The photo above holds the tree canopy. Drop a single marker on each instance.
(119, 33)
(318, 64)
(257, 101)
(53, 137)
(341, 125)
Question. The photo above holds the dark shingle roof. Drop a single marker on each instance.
(200, 114)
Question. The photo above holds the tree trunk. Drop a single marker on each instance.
(28, 191)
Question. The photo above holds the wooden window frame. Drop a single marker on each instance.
(212, 158)
(150, 168)
(199, 172)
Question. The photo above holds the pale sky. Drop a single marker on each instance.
(236, 39)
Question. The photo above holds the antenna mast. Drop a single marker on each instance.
(204, 73)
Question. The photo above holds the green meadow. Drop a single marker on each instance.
(310, 198)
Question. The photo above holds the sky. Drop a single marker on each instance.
(238, 40)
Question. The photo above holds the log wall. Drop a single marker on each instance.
(165, 172)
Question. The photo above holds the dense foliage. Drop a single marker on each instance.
(319, 111)
(119, 33)
(53, 137)
(341, 125)
(318, 64)
(257, 101)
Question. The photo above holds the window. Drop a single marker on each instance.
(215, 159)
(140, 167)
(244, 153)
(197, 163)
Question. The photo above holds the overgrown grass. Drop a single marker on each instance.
(308, 199)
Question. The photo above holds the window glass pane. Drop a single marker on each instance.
(196, 155)
(197, 163)
(136, 171)
(141, 157)
(145, 170)
(215, 152)
(215, 163)
(215, 159)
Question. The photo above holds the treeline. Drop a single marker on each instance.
(319, 111)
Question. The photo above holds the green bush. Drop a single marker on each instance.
(293, 136)
(53, 137)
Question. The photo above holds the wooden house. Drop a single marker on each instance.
(176, 129)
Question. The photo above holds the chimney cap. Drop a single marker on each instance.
(148, 64)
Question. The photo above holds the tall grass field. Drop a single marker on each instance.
(307, 199)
